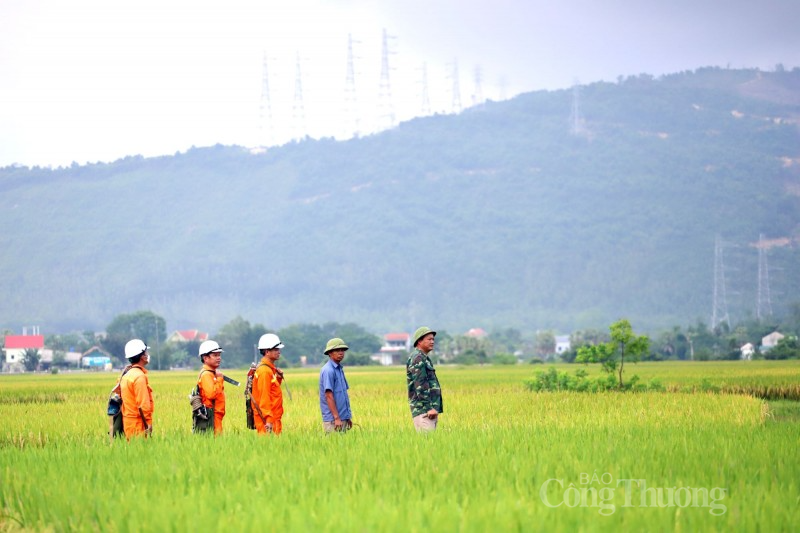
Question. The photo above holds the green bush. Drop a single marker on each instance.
(554, 380)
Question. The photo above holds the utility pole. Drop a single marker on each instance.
(719, 313)
(764, 301)
(158, 352)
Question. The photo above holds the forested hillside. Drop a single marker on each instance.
(514, 213)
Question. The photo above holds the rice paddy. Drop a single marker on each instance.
(503, 458)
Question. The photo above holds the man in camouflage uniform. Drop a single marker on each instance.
(424, 392)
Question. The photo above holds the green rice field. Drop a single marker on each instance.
(502, 459)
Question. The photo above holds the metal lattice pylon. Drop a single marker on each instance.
(385, 104)
(352, 123)
(764, 300)
(719, 313)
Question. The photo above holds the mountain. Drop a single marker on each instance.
(556, 209)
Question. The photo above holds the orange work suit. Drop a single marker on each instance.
(136, 394)
(212, 392)
(268, 396)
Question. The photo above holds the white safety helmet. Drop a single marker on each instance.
(209, 347)
(269, 341)
(135, 347)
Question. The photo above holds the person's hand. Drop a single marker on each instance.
(279, 372)
(269, 427)
(148, 430)
(337, 424)
(432, 414)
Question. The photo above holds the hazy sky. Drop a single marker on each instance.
(96, 80)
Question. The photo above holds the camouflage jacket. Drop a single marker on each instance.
(424, 392)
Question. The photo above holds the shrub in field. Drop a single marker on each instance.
(554, 380)
(623, 346)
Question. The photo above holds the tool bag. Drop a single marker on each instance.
(202, 416)
(114, 409)
(248, 395)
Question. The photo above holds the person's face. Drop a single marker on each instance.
(425, 344)
(337, 355)
(145, 359)
(274, 354)
(213, 359)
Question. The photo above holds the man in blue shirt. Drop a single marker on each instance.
(334, 401)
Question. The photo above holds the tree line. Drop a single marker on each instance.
(305, 341)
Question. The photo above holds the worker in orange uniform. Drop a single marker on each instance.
(212, 385)
(267, 397)
(137, 396)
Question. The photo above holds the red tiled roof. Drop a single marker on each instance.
(192, 335)
(24, 341)
(396, 336)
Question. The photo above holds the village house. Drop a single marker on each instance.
(476, 333)
(562, 344)
(15, 346)
(187, 335)
(395, 346)
(747, 351)
(95, 358)
(770, 341)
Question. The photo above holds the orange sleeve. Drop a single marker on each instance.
(144, 397)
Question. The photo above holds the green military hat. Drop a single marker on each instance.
(335, 344)
(421, 332)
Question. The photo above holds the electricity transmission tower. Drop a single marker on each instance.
(764, 302)
(385, 104)
(350, 98)
(575, 119)
(265, 111)
(456, 105)
(477, 96)
(298, 108)
(720, 304)
(425, 110)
